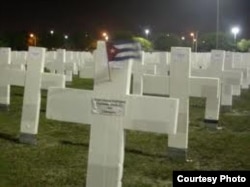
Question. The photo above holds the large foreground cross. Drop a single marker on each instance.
(109, 109)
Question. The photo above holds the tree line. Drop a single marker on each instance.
(87, 41)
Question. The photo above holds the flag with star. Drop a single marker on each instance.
(123, 50)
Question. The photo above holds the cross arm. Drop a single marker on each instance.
(232, 77)
(199, 72)
(152, 114)
(204, 87)
(156, 85)
(70, 105)
(12, 77)
(69, 66)
(52, 80)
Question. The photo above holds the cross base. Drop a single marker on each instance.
(4, 107)
(109, 176)
(26, 138)
(226, 108)
(212, 124)
(177, 153)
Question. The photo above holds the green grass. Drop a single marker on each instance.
(60, 158)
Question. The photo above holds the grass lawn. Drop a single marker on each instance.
(60, 158)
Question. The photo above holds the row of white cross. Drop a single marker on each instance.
(72, 63)
(226, 66)
(110, 108)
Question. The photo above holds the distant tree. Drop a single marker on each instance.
(243, 45)
(14, 40)
(51, 41)
(128, 36)
(3, 43)
(122, 36)
(92, 46)
(81, 40)
(145, 44)
(164, 42)
(207, 42)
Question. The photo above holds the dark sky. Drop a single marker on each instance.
(177, 16)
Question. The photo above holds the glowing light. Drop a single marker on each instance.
(235, 30)
(104, 34)
(33, 38)
(147, 31)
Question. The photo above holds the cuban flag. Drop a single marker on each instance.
(119, 51)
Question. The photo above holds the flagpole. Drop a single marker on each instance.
(109, 71)
(217, 23)
(108, 65)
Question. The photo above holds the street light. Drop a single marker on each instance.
(51, 32)
(192, 35)
(235, 31)
(195, 40)
(66, 37)
(105, 36)
(147, 31)
(33, 37)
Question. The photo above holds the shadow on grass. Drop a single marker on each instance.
(43, 110)
(8, 137)
(18, 94)
(139, 152)
(133, 151)
(66, 142)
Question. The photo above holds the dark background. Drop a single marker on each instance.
(176, 16)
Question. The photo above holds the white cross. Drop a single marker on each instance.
(86, 69)
(18, 60)
(227, 77)
(110, 109)
(180, 84)
(4, 89)
(50, 59)
(239, 65)
(33, 80)
(158, 67)
(64, 63)
(199, 87)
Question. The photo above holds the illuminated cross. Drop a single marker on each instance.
(180, 84)
(110, 109)
(227, 78)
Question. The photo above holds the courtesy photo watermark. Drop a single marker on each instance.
(211, 178)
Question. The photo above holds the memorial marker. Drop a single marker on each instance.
(110, 109)
(33, 80)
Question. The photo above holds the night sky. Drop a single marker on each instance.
(170, 16)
